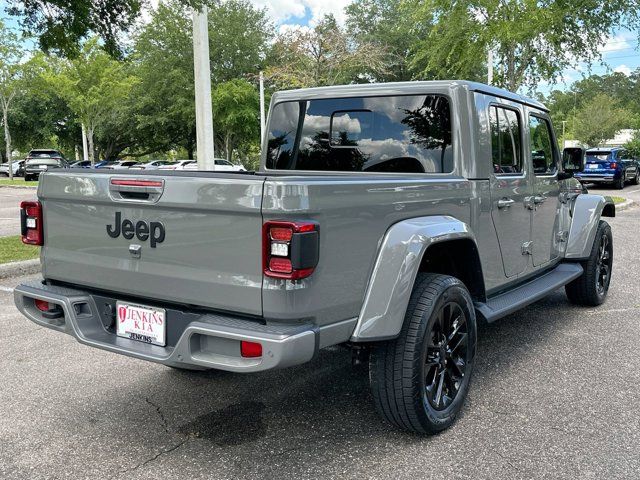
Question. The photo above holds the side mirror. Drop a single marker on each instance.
(572, 161)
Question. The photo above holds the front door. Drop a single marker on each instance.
(546, 190)
(510, 188)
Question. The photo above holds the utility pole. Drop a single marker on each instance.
(202, 72)
(490, 66)
(85, 148)
(564, 139)
(262, 122)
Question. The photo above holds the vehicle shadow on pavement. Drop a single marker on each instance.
(325, 405)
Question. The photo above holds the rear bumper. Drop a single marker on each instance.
(597, 178)
(208, 341)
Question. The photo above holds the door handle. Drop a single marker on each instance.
(505, 203)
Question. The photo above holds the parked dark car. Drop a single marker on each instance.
(35, 166)
(21, 165)
(81, 164)
(611, 166)
(119, 164)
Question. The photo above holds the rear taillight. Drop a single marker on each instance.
(250, 349)
(290, 249)
(42, 305)
(31, 223)
(613, 165)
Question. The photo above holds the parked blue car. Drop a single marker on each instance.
(610, 165)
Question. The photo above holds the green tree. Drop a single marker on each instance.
(61, 25)
(384, 23)
(325, 55)
(10, 70)
(163, 54)
(600, 119)
(38, 116)
(532, 40)
(94, 86)
(236, 114)
(623, 89)
(17, 77)
(239, 37)
(634, 145)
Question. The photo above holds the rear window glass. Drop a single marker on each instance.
(403, 134)
(599, 157)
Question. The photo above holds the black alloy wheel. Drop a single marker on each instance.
(446, 353)
(604, 261)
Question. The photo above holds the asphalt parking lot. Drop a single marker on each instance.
(10, 199)
(555, 394)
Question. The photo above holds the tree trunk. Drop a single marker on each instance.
(227, 146)
(7, 136)
(92, 156)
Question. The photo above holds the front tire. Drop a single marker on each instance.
(591, 288)
(419, 381)
(636, 178)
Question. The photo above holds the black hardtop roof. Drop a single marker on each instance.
(400, 88)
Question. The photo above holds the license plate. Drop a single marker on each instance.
(141, 323)
(42, 167)
(593, 167)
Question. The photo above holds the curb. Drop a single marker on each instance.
(20, 187)
(624, 205)
(15, 269)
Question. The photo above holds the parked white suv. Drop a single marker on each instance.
(222, 165)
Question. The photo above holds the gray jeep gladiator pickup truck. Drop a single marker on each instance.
(390, 218)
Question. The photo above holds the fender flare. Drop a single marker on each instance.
(395, 270)
(586, 214)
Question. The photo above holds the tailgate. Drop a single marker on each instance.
(188, 238)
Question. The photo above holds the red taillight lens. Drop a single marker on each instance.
(250, 349)
(290, 249)
(31, 223)
(613, 165)
(136, 183)
(42, 305)
(281, 234)
(280, 265)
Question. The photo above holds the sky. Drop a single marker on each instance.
(620, 54)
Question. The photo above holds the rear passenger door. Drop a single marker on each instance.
(544, 155)
(510, 186)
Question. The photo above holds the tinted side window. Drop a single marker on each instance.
(409, 134)
(282, 135)
(542, 152)
(506, 140)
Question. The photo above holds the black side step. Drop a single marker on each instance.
(527, 293)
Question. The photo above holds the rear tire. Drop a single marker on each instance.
(591, 288)
(419, 381)
(619, 183)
